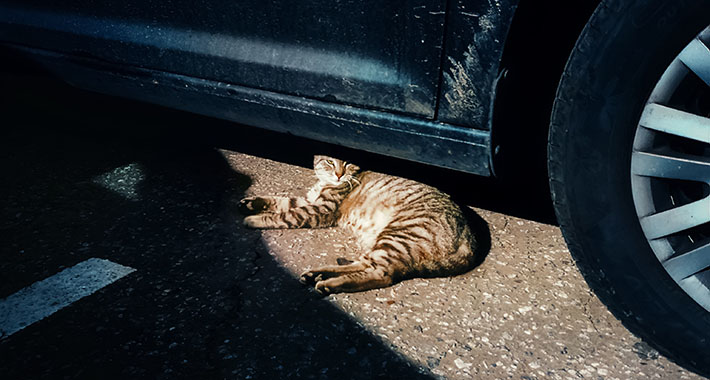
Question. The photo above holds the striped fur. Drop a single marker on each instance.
(406, 228)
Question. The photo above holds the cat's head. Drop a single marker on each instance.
(333, 171)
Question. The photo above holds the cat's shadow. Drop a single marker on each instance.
(482, 233)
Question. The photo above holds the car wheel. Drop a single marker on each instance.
(629, 165)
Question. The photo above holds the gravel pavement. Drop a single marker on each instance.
(524, 313)
(86, 176)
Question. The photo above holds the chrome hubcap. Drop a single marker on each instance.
(670, 169)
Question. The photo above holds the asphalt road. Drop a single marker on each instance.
(86, 176)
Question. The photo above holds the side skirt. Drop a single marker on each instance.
(429, 142)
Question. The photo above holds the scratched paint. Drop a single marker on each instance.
(475, 38)
(462, 97)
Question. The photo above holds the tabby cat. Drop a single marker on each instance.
(406, 228)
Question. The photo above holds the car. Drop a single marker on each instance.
(608, 100)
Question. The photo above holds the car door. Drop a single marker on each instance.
(373, 54)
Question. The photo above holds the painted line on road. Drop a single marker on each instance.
(46, 297)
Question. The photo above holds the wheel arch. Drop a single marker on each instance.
(538, 44)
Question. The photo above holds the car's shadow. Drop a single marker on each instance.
(526, 197)
(89, 176)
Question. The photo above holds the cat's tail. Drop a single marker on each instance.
(465, 255)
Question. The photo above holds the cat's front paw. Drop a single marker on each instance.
(308, 278)
(255, 221)
(253, 205)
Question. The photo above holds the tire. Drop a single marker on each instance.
(615, 66)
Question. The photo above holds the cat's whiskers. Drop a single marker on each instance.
(351, 180)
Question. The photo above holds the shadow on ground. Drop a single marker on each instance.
(525, 197)
(87, 176)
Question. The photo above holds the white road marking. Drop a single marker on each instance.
(46, 297)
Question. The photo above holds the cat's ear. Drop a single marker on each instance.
(352, 168)
(317, 159)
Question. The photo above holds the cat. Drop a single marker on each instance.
(406, 229)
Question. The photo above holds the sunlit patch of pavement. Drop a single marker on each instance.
(123, 180)
(525, 312)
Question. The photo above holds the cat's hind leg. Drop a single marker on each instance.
(355, 282)
(313, 276)
(372, 270)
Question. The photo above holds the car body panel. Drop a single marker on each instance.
(358, 74)
(379, 55)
